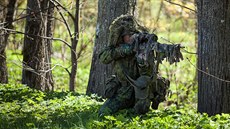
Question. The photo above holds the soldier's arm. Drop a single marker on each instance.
(112, 53)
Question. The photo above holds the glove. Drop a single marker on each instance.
(125, 50)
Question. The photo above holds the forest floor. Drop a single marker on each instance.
(24, 108)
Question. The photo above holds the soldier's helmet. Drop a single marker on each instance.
(127, 32)
(122, 25)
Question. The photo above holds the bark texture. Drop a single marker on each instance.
(108, 10)
(6, 17)
(3, 68)
(213, 56)
(36, 52)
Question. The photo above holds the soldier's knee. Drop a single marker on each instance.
(142, 106)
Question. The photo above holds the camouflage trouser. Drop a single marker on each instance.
(112, 105)
(123, 99)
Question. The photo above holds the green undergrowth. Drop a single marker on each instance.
(59, 72)
(25, 108)
(22, 107)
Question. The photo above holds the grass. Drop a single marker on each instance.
(25, 108)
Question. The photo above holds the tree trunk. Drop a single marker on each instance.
(73, 51)
(50, 30)
(6, 15)
(213, 56)
(36, 53)
(3, 68)
(108, 10)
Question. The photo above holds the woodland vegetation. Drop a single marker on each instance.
(66, 35)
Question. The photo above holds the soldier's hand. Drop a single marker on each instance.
(125, 49)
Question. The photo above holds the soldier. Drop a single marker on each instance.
(119, 92)
(133, 57)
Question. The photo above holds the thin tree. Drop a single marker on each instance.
(74, 43)
(3, 68)
(213, 56)
(6, 20)
(36, 50)
(108, 10)
(74, 39)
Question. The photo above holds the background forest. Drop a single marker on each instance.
(23, 107)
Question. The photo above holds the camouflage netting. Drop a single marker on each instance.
(121, 24)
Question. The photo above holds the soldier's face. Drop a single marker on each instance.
(127, 39)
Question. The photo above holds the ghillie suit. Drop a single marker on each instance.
(149, 54)
(119, 92)
(124, 23)
(136, 82)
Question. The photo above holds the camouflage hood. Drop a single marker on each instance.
(123, 23)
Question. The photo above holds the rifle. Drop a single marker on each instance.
(146, 45)
(150, 52)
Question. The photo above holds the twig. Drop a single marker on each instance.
(28, 68)
(189, 52)
(63, 18)
(51, 38)
(220, 79)
(83, 47)
(169, 1)
(59, 4)
(67, 25)
(167, 40)
(25, 16)
(158, 16)
(55, 67)
(183, 48)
